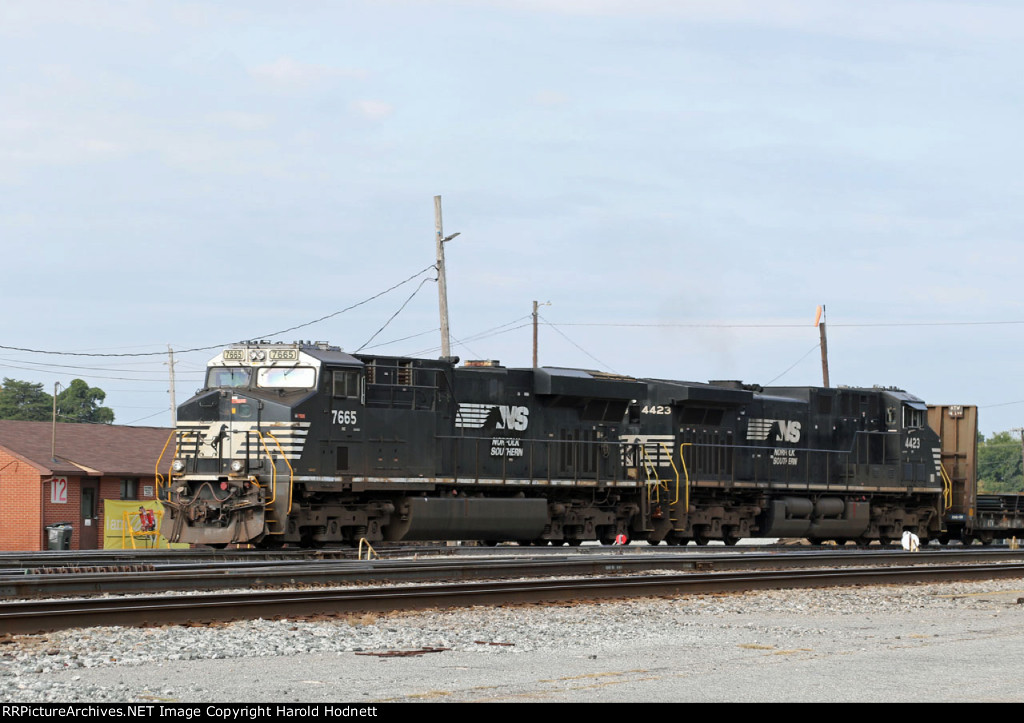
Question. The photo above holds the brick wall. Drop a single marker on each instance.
(70, 511)
(21, 524)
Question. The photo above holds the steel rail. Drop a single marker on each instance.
(43, 616)
(283, 573)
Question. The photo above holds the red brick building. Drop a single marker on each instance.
(48, 478)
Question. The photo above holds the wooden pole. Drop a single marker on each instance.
(442, 284)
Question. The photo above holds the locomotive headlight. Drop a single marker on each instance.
(178, 466)
(237, 466)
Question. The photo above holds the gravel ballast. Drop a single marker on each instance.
(927, 642)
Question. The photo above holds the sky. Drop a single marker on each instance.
(680, 183)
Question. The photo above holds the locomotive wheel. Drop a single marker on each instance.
(730, 540)
(653, 542)
(700, 535)
(574, 542)
(490, 543)
(681, 541)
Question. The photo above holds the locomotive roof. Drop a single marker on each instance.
(318, 350)
(580, 383)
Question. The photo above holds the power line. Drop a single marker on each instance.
(404, 303)
(712, 325)
(218, 346)
(577, 345)
(486, 334)
(816, 346)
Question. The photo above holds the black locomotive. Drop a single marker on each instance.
(304, 444)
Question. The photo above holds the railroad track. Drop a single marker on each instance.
(206, 575)
(44, 616)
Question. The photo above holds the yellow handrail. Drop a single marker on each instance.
(668, 453)
(170, 473)
(686, 476)
(369, 549)
(273, 469)
(947, 487)
(291, 474)
(650, 470)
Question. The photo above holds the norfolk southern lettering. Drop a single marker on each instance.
(304, 444)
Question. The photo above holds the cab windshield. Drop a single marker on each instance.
(227, 377)
(286, 377)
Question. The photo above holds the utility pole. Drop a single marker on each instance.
(174, 406)
(535, 305)
(442, 284)
(820, 321)
(53, 430)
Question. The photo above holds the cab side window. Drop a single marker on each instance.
(346, 384)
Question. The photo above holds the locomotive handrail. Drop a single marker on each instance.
(947, 488)
(273, 470)
(648, 469)
(273, 474)
(686, 477)
(170, 472)
(291, 470)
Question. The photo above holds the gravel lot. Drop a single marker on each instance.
(928, 642)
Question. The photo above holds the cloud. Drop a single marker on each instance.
(242, 121)
(890, 20)
(373, 109)
(289, 72)
(550, 98)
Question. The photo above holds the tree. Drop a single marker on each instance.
(1000, 468)
(25, 401)
(80, 403)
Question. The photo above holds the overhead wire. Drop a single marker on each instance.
(392, 318)
(606, 366)
(816, 346)
(218, 346)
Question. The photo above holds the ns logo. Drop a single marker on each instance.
(476, 416)
(513, 418)
(785, 430)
